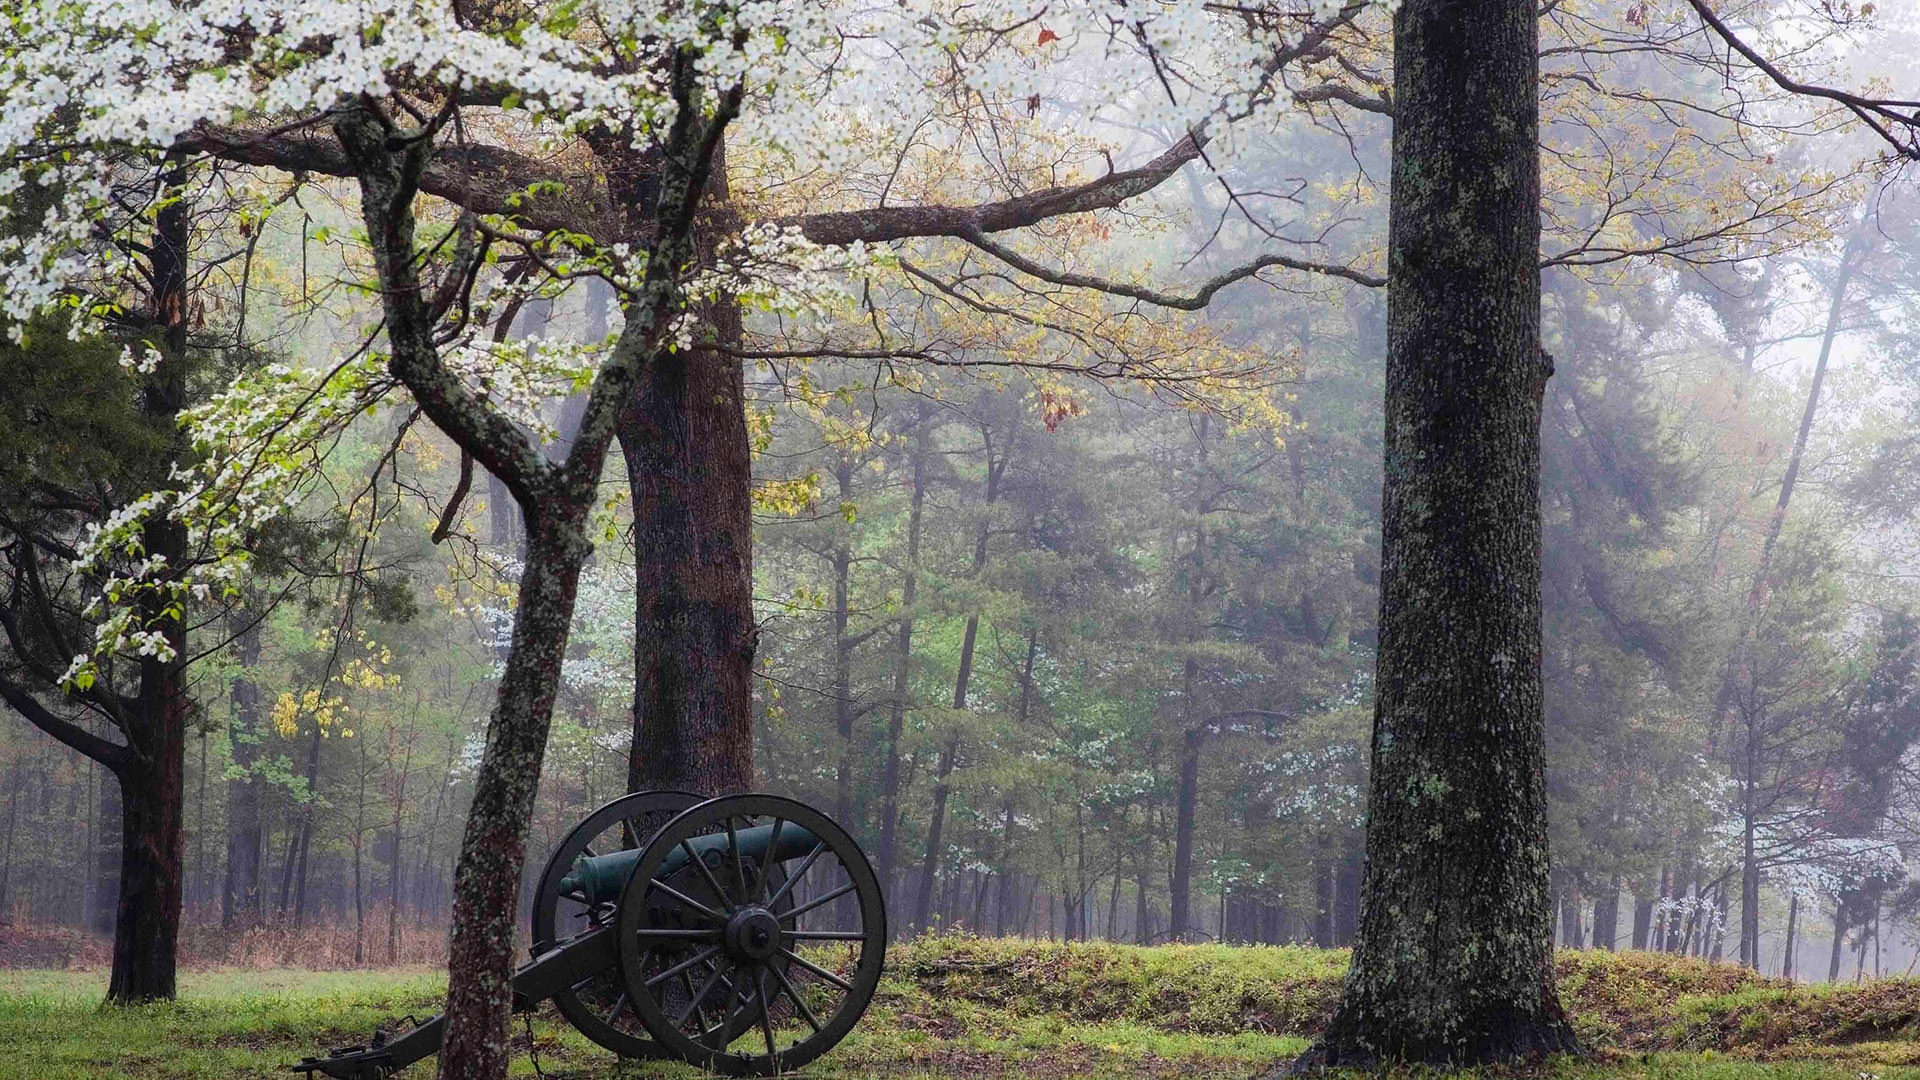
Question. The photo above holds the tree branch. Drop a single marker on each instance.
(1876, 113)
(112, 755)
(1198, 300)
(880, 224)
(481, 178)
(389, 179)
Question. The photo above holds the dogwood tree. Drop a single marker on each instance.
(504, 146)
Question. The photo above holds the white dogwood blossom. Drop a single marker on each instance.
(106, 104)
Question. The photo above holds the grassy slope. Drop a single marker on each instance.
(961, 1007)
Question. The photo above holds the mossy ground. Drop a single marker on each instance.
(957, 1007)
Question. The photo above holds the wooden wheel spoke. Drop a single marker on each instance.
(766, 1014)
(766, 864)
(693, 1006)
(819, 901)
(679, 935)
(787, 885)
(733, 849)
(683, 965)
(687, 900)
(786, 987)
(713, 883)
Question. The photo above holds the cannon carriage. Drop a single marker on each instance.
(743, 934)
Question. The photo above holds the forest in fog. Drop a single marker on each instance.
(1064, 590)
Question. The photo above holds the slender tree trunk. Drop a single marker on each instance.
(902, 668)
(1180, 892)
(293, 877)
(1793, 926)
(13, 815)
(1606, 917)
(843, 651)
(1454, 957)
(1642, 917)
(1851, 256)
(1142, 904)
(1186, 804)
(1839, 939)
(950, 750)
(106, 809)
(240, 903)
(936, 829)
(394, 876)
(200, 876)
(1749, 873)
(493, 849)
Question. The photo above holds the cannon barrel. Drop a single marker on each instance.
(599, 878)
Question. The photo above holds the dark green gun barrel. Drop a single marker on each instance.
(599, 878)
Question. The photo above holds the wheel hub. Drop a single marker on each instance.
(752, 933)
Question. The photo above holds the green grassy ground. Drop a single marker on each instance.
(965, 1008)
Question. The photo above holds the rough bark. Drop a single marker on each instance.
(689, 467)
(685, 441)
(1454, 957)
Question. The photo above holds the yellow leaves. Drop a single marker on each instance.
(326, 713)
(789, 496)
(286, 714)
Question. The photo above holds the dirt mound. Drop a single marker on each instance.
(1634, 1001)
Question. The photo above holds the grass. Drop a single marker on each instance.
(958, 1007)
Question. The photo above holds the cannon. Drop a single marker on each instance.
(742, 934)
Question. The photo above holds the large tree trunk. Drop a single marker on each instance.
(1454, 957)
(684, 436)
(240, 901)
(690, 471)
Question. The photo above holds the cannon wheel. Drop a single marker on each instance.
(598, 1007)
(794, 970)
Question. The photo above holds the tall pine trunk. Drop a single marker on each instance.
(1453, 961)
